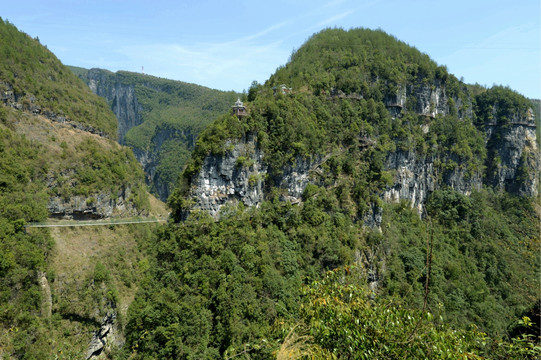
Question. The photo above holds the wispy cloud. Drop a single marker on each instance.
(333, 4)
(212, 64)
(335, 18)
(264, 32)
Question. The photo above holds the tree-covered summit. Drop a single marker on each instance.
(342, 90)
(370, 161)
(371, 63)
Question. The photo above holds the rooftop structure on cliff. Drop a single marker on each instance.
(239, 109)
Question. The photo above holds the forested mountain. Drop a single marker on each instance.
(366, 205)
(360, 151)
(158, 118)
(58, 159)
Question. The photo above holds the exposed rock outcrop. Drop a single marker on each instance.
(513, 162)
(240, 175)
(417, 177)
(237, 175)
(98, 206)
(121, 95)
(150, 159)
(222, 179)
(28, 104)
(428, 100)
(47, 300)
(297, 175)
(104, 336)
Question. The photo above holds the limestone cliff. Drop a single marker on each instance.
(428, 100)
(513, 162)
(241, 174)
(221, 180)
(416, 177)
(29, 104)
(120, 96)
(97, 206)
(512, 165)
(86, 176)
(237, 175)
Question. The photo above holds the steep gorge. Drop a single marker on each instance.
(59, 158)
(158, 118)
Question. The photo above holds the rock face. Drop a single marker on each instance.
(98, 206)
(297, 175)
(150, 160)
(222, 180)
(428, 100)
(513, 165)
(513, 162)
(417, 177)
(240, 174)
(106, 334)
(11, 99)
(121, 98)
(237, 175)
(47, 300)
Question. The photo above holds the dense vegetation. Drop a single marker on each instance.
(80, 165)
(341, 319)
(356, 135)
(370, 63)
(501, 105)
(224, 287)
(482, 265)
(22, 256)
(282, 280)
(95, 169)
(38, 78)
(308, 122)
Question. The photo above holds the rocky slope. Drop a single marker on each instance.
(59, 158)
(236, 176)
(80, 180)
(514, 162)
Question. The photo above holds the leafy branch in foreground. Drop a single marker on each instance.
(344, 318)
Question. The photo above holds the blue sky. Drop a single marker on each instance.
(228, 44)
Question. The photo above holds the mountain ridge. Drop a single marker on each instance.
(431, 103)
(59, 159)
(436, 208)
